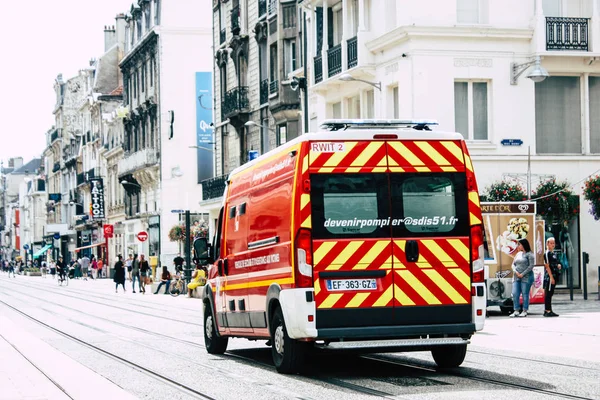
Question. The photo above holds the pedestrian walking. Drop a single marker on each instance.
(522, 277)
(101, 268)
(85, 265)
(77, 265)
(119, 277)
(53, 269)
(129, 265)
(11, 268)
(144, 272)
(135, 274)
(551, 276)
(94, 265)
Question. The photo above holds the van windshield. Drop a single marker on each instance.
(380, 205)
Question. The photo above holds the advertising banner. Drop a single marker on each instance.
(97, 192)
(204, 127)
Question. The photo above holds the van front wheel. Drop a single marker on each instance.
(288, 354)
(214, 343)
(449, 356)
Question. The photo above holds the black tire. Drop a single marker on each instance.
(449, 356)
(214, 343)
(288, 354)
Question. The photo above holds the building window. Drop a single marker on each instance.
(353, 105)
(273, 64)
(336, 110)
(151, 69)
(338, 23)
(290, 56)
(143, 76)
(472, 11)
(395, 102)
(370, 107)
(558, 115)
(157, 12)
(594, 85)
(471, 109)
(281, 134)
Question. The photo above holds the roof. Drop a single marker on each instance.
(31, 167)
(117, 92)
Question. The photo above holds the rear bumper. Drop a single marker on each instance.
(386, 346)
(396, 332)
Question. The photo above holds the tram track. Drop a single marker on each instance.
(546, 362)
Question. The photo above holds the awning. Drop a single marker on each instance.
(41, 251)
(90, 246)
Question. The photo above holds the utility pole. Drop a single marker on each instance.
(188, 258)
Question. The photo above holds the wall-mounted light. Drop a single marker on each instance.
(171, 122)
(537, 74)
(252, 123)
(350, 78)
(125, 182)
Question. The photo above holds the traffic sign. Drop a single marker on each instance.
(142, 236)
(56, 236)
(26, 247)
(511, 142)
(177, 211)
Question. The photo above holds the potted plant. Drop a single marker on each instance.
(503, 191)
(591, 192)
(556, 202)
(33, 272)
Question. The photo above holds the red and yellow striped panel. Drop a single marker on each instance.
(353, 256)
(425, 156)
(475, 217)
(349, 157)
(305, 206)
(441, 275)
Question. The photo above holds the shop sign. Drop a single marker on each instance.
(108, 231)
(97, 192)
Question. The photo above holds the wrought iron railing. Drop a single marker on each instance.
(54, 136)
(318, 69)
(334, 60)
(273, 86)
(235, 20)
(223, 35)
(80, 179)
(567, 33)
(352, 52)
(235, 101)
(213, 188)
(262, 7)
(56, 167)
(264, 91)
(273, 7)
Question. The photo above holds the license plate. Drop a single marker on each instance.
(334, 285)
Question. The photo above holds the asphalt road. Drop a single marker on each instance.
(151, 347)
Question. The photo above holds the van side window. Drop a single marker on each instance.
(231, 212)
(429, 203)
(242, 209)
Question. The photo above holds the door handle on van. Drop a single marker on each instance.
(223, 267)
(412, 250)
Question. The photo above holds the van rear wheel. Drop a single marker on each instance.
(288, 354)
(449, 356)
(214, 343)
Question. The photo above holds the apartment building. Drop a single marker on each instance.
(257, 53)
(466, 64)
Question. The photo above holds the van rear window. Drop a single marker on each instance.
(429, 204)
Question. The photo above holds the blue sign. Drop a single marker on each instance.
(511, 142)
(204, 125)
(26, 246)
(56, 236)
(252, 154)
(177, 211)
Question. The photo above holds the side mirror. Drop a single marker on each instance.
(202, 250)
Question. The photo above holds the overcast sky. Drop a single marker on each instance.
(41, 39)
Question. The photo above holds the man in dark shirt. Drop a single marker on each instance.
(178, 261)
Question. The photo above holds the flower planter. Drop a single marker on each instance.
(33, 273)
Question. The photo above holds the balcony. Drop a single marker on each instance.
(352, 52)
(262, 7)
(318, 69)
(135, 161)
(235, 102)
(213, 188)
(273, 86)
(286, 104)
(222, 36)
(264, 91)
(235, 20)
(92, 173)
(273, 7)
(80, 179)
(54, 136)
(56, 167)
(567, 33)
(334, 60)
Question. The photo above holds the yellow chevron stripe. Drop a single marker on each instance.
(474, 220)
(330, 300)
(366, 154)
(402, 298)
(468, 164)
(380, 169)
(396, 169)
(337, 157)
(474, 198)
(385, 298)
(304, 200)
(376, 250)
(383, 161)
(247, 285)
(406, 153)
(419, 287)
(322, 251)
(325, 170)
(307, 223)
(432, 153)
(445, 286)
(461, 248)
(357, 300)
(304, 165)
(455, 149)
(437, 251)
(423, 169)
(422, 262)
(462, 277)
(317, 286)
(351, 170)
(448, 169)
(345, 255)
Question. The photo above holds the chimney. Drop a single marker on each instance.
(120, 29)
(15, 162)
(110, 37)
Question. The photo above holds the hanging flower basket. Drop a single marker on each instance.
(177, 233)
(199, 230)
(591, 192)
(503, 191)
(556, 202)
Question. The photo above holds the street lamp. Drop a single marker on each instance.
(350, 78)
(252, 123)
(537, 74)
(125, 182)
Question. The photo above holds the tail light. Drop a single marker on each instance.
(303, 266)
(477, 253)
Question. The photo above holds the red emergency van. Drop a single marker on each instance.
(364, 236)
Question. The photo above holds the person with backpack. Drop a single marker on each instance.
(551, 276)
